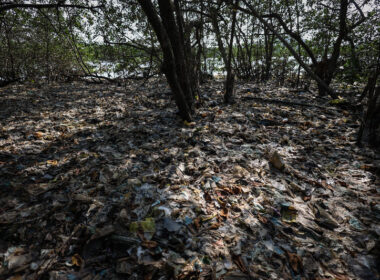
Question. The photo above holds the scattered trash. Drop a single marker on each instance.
(116, 187)
(171, 225)
(288, 213)
(356, 224)
(276, 159)
(324, 219)
(147, 226)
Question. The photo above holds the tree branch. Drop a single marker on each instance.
(136, 46)
(358, 8)
(60, 4)
(251, 10)
(360, 21)
(292, 34)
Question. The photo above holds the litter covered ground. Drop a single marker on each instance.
(105, 182)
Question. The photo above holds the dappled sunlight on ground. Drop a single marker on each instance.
(103, 181)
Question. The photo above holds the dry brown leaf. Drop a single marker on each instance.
(197, 223)
(207, 197)
(149, 244)
(77, 260)
(52, 162)
(262, 219)
(38, 134)
(214, 226)
(306, 198)
(236, 190)
(295, 262)
(224, 213)
(239, 262)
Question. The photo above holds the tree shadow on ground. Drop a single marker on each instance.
(106, 160)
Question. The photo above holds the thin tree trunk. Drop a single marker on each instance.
(332, 63)
(174, 29)
(269, 41)
(298, 44)
(170, 67)
(370, 128)
(230, 80)
(215, 25)
(320, 82)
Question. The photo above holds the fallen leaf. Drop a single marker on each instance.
(52, 162)
(38, 134)
(262, 219)
(190, 124)
(276, 160)
(224, 213)
(77, 260)
(239, 262)
(295, 262)
(215, 225)
(149, 244)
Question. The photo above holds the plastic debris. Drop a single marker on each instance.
(117, 188)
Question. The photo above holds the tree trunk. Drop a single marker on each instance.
(215, 25)
(369, 131)
(331, 64)
(370, 128)
(230, 79)
(173, 24)
(229, 88)
(256, 14)
(269, 40)
(167, 29)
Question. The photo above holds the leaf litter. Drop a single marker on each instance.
(101, 182)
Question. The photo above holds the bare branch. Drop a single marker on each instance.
(292, 34)
(358, 8)
(361, 20)
(251, 10)
(11, 6)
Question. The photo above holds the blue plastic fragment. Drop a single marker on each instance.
(6, 184)
(216, 179)
(275, 221)
(156, 203)
(103, 272)
(20, 167)
(355, 223)
(285, 205)
(48, 177)
(278, 250)
(188, 220)
(71, 277)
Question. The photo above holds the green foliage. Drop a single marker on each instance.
(31, 46)
(55, 43)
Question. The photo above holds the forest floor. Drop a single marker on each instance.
(105, 182)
